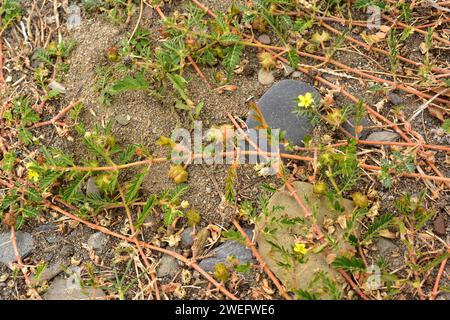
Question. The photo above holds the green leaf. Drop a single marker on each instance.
(379, 224)
(446, 126)
(294, 59)
(9, 159)
(352, 264)
(232, 57)
(135, 185)
(233, 235)
(129, 83)
(146, 211)
(179, 83)
(229, 38)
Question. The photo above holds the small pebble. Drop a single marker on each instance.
(264, 39)
(265, 77)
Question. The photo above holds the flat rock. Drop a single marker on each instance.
(228, 249)
(98, 240)
(394, 98)
(71, 289)
(301, 274)
(265, 77)
(277, 107)
(264, 38)
(383, 136)
(288, 70)
(168, 266)
(24, 242)
(186, 238)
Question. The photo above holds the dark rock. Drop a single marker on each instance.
(439, 225)
(395, 99)
(24, 242)
(168, 266)
(98, 240)
(383, 136)
(186, 238)
(228, 249)
(350, 127)
(277, 107)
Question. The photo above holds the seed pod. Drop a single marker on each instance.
(326, 159)
(112, 54)
(221, 272)
(178, 174)
(335, 117)
(320, 187)
(193, 217)
(360, 200)
(266, 60)
(103, 181)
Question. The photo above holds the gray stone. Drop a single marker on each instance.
(123, 120)
(296, 74)
(168, 266)
(385, 246)
(91, 188)
(98, 240)
(277, 107)
(265, 77)
(382, 136)
(288, 70)
(24, 242)
(186, 238)
(224, 251)
(395, 99)
(264, 39)
(71, 289)
(349, 125)
(49, 273)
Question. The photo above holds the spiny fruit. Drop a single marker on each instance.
(112, 54)
(266, 60)
(193, 217)
(335, 117)
(326, 159)
(360, 200)
(103, 181)
(320, 187)
(178, 174)
(221, 272)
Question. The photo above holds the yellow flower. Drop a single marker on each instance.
(300, 248)
(306, 100)
(32, 174)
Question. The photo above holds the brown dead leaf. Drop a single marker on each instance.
(225, 88)
(388, 234)
(437, 113)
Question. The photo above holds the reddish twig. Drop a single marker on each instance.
(435, 291)
(353, 284)
(261, 261)
(55, 118)
(177, 256)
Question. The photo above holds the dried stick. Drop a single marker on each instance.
(261, 261)
(21, 265)
(185, 260)
(55, 118)
(435, 291)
